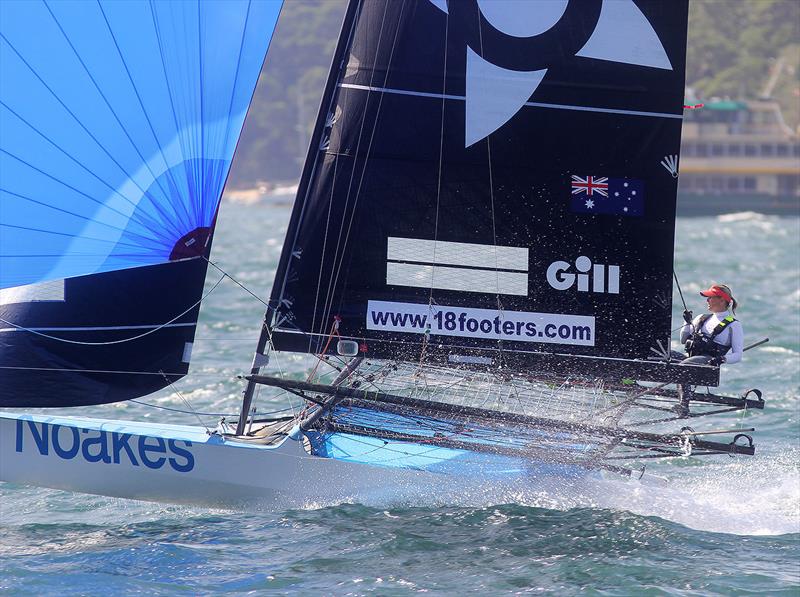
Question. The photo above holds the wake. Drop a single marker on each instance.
(754, 496)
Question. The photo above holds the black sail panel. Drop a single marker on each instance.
(100, 338)
(496, 182)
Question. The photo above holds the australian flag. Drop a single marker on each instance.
(611, 196)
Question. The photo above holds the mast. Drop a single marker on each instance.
(327, 101)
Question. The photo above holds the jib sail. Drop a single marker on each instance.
(490, 182)
(119, 122)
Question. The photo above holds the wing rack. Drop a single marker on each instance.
(392, 417)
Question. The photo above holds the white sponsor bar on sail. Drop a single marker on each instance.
(439, 252)
(489, 324)
(50, 291)
(454, 278)
(425, 264)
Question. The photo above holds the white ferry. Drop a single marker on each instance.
(739, 156)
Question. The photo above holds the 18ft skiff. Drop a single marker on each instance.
(480, 255)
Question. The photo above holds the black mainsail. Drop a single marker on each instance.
(490, 181)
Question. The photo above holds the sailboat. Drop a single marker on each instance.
(479, 257)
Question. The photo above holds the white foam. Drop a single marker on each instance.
(742, 216)
(744, 496)
(777, 349)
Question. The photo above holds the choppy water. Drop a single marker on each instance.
(721, 527)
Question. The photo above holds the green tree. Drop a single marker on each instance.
(734, 44)
(275, 138)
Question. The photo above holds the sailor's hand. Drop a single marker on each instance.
(687, 316)
(717, 361)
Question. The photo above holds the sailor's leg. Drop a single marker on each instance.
(685, 392)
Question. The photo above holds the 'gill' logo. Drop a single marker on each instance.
(604, 279)
(93, 445)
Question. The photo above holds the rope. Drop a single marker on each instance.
(110, 342)
(204, 414)
(334, 332)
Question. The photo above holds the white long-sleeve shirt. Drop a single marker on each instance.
(732, 335)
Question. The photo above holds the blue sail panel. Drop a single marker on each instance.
(119, 122)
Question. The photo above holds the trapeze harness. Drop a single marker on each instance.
(701, 343)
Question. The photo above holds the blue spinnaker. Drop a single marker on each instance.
(118, 123)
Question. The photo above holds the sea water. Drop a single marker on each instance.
(724, 526)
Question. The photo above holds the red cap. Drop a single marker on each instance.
(717, 291)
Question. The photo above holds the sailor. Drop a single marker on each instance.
(710, 339)
(716, 337)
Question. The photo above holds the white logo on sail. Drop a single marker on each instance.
(670, 162)
(494, 94)
(464, 267)
(602, 280)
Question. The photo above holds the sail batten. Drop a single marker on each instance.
(441, 96)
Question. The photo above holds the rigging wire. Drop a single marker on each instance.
(225, 274)
(335, 277)
(204, 414)
(324, 251)
(680, 292)
(337, 259)
(441, 159)
(494, 218)
(188, 404)
(330, 120)
(426, 336)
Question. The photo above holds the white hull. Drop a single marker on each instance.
(185, 465)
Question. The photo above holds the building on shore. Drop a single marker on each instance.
(738, 156)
